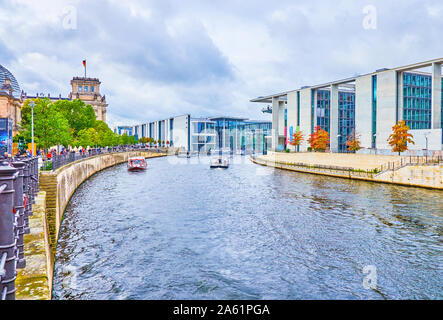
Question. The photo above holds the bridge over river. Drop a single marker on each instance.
(183, 231)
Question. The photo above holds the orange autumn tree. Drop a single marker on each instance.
(353, 142)
(400, 137)
(319, 139)
(297, 139)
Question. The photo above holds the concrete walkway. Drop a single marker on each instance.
(355, 161)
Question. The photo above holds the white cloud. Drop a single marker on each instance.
(162, 58)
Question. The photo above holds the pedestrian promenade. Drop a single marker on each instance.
(348, 160)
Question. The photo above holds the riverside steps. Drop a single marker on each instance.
(44, 213)
(414, 171)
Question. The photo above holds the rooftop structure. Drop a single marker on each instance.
(368, 105)
(10, 98)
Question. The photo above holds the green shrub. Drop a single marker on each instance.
(47, 166)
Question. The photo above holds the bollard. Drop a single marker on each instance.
(7, 237)
(33, 179)
(36, 176)
(20, 213)
(26, 191)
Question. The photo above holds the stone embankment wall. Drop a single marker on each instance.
(427, 176)
(57, 187)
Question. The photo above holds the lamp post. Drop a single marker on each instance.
(338, 140)
(426, 137)
(375, 146)
(32, 104)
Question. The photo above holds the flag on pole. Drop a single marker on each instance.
(84, 65)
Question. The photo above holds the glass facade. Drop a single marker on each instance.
(417, 97)
(160, 131)
(323, 109)
(374, 111)
(5, 136)
(312, 109)
(171, 132)
(253, 136)
(242, 135)
(203, 136)
(298, 108)
(346, 118)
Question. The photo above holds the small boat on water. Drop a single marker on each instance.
(137, 163)
(219, 162)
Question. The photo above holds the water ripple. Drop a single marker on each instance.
(183, 231)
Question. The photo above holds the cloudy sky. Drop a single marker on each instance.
(161, 58)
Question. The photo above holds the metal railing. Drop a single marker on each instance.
(58, 161)
(388, 166)
(409, 161)
(18, 188)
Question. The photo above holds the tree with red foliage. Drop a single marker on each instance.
(400, 137)
(319, 139)
(353, 142)
(297, 139)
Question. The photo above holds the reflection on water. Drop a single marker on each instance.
(183, 231)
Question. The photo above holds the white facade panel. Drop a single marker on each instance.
(386, 107)
(363, 110)
(305, 116)
(292, 116)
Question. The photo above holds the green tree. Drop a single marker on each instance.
(79, 115)
(87, 137)
(50, 126)
(106, 136)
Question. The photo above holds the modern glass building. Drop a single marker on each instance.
(205, 134)
(124, 129)
(253, 136)
(240, 134)
(368, 105)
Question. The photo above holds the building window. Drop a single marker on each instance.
(323, 109)
(374, 111)
(298, 108)
(92, 89)
(346, 118)
(80, 88)
(417, 100)
(86, 88)
(312, 109)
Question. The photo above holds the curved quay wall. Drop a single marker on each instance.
(424, 176)
(56, 189)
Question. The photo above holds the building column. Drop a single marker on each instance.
(436, 96)
(275, 123)
(333, 131)
(400, 100)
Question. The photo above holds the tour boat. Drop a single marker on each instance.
(220, 162)
(137, 163)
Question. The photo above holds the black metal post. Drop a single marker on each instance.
(7, 237)
(27, 192)
(20, 213)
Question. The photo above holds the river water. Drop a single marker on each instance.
(183, 231)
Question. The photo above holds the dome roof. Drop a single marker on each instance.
(5, 74)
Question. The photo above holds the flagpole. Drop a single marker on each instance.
(85, 69)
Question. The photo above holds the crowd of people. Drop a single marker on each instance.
(48, 155)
